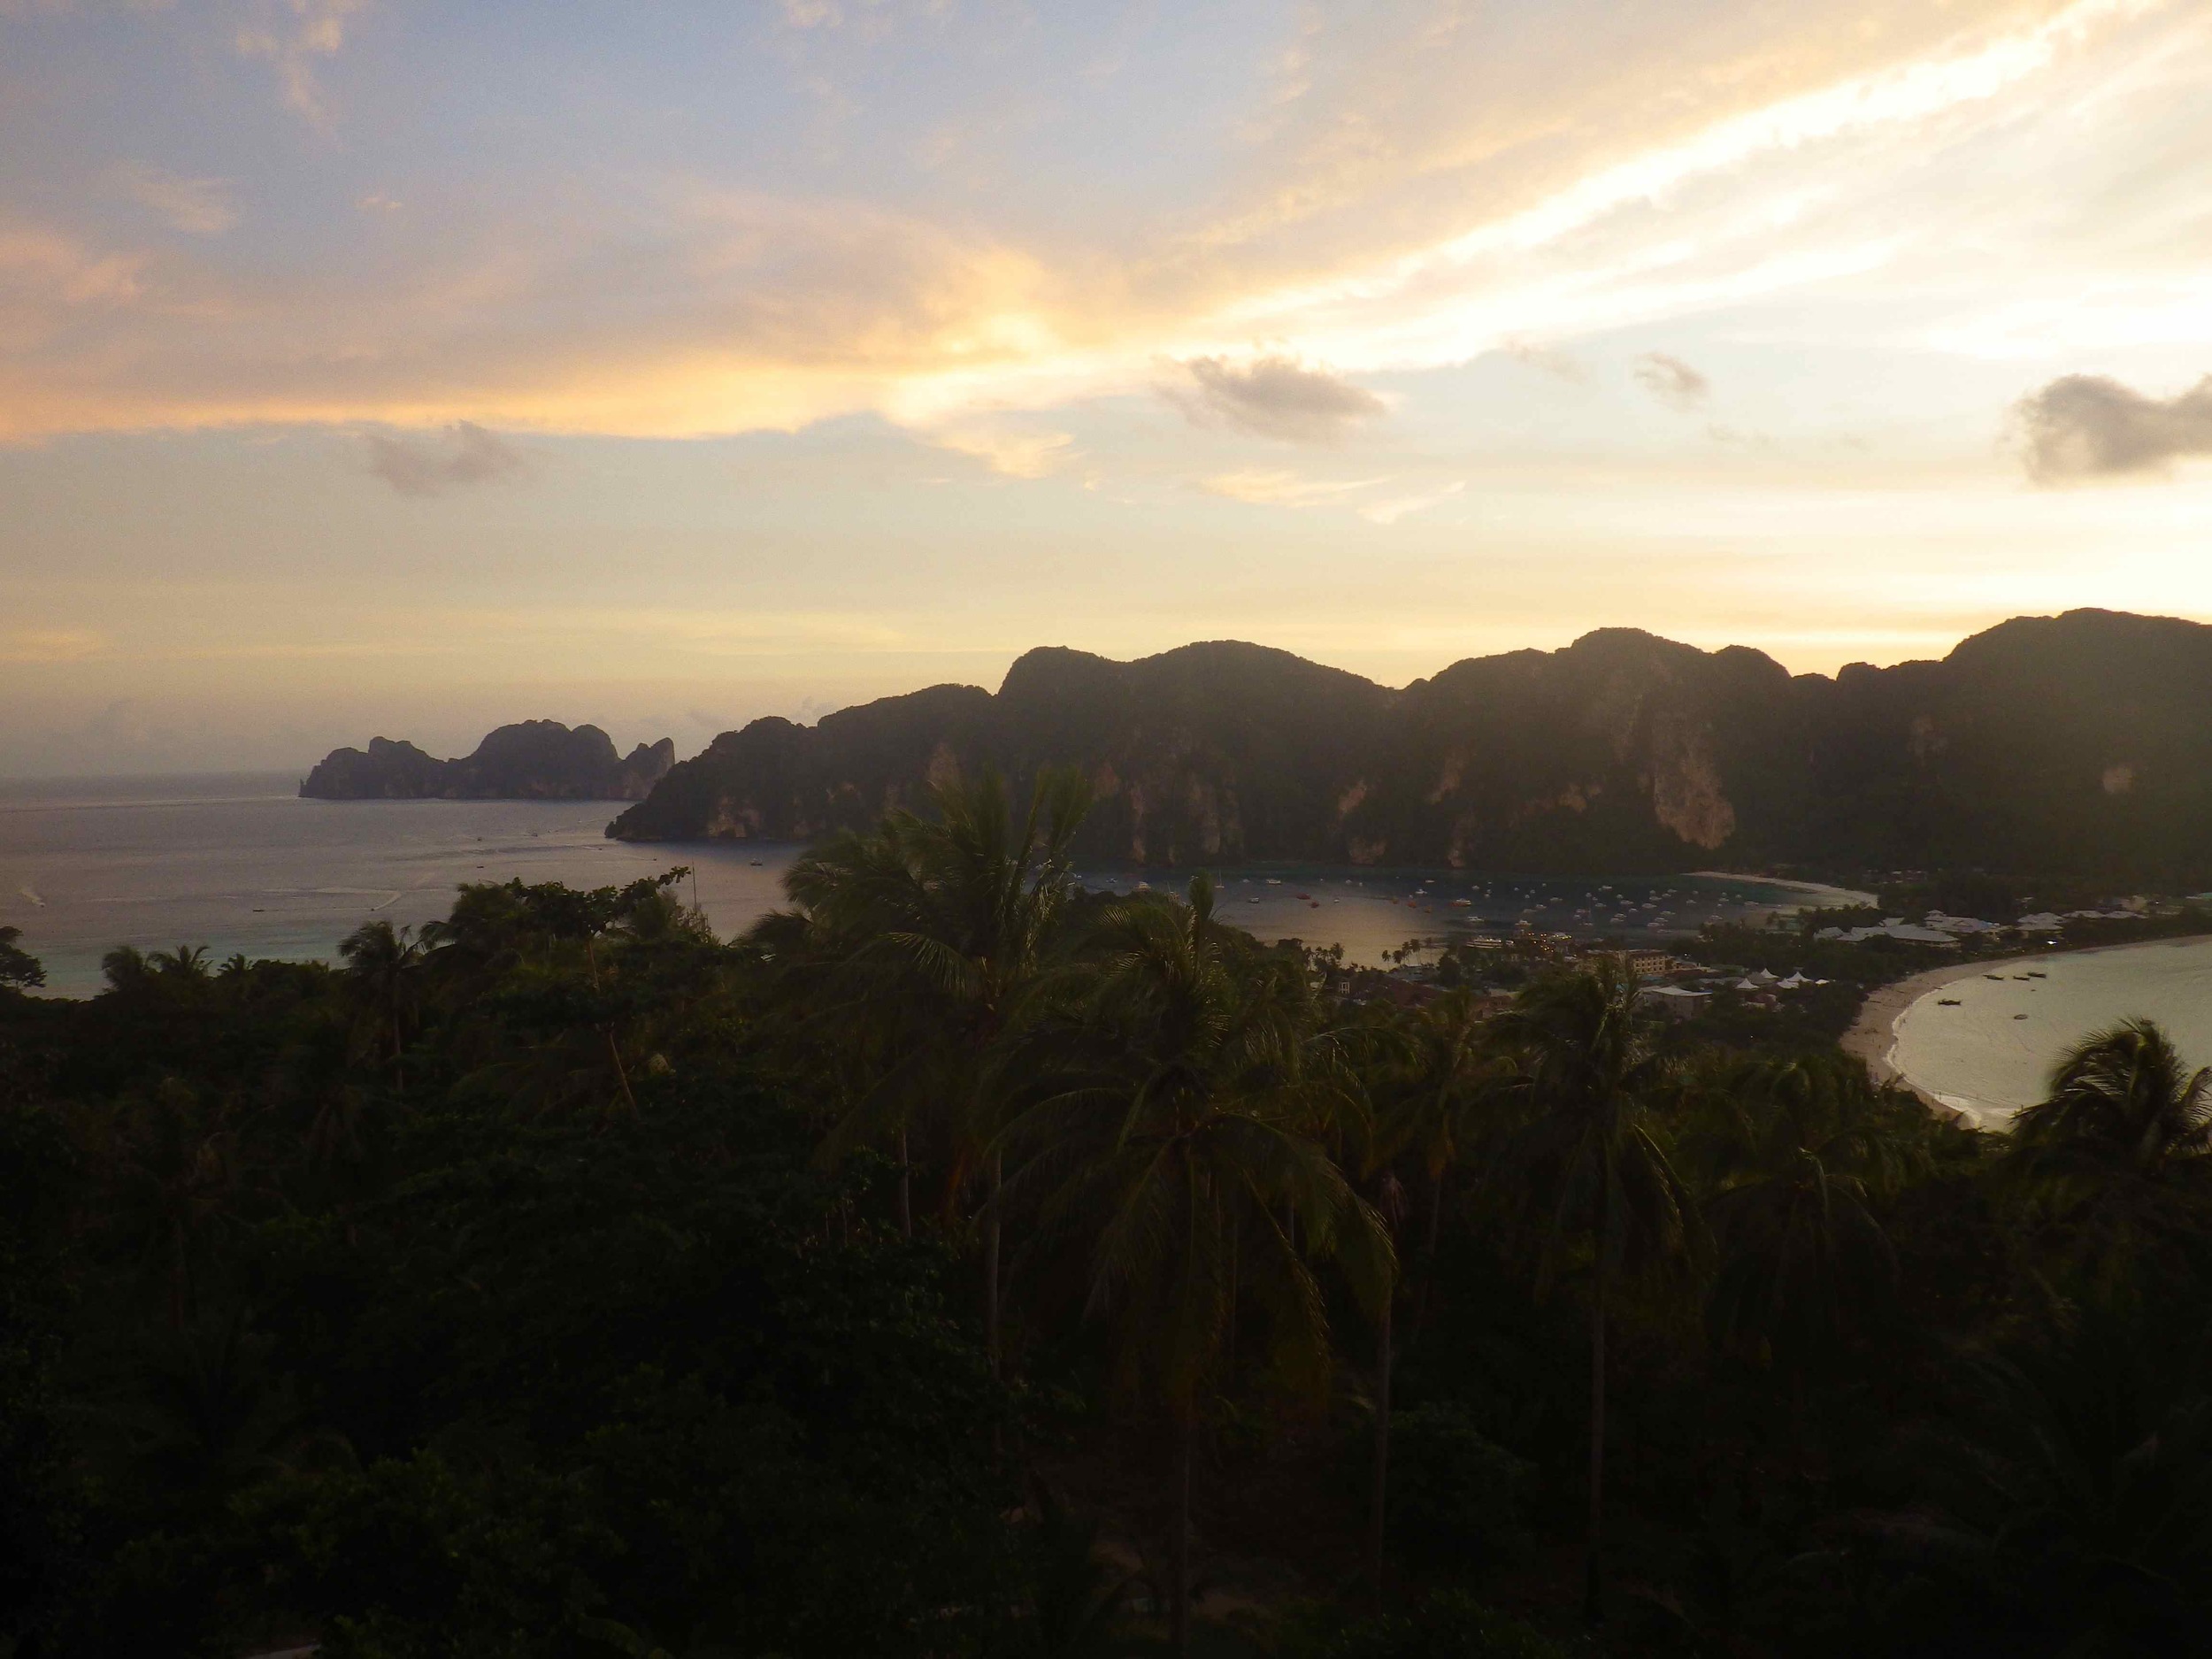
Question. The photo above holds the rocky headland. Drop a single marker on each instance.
(533, 760)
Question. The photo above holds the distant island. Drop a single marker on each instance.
(533, 760)
(2078, 743)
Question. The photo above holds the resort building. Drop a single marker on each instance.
(1678, 1001)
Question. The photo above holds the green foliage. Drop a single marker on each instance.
(19, 970)
(38, 1497)
(562, 1281)
(1546, 761)
(1459, 1504)
(1448, 1625)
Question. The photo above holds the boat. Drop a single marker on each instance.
(1998, 976)
(2019, 1016)
(1947, 1001)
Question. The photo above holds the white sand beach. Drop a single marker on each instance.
(1985, 1058)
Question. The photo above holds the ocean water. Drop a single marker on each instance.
(239, 862)
(1370, 911)
(1982, 1057)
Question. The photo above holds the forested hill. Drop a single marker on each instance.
(2076, 744)
(532, 760)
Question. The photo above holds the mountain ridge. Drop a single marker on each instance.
(2078, 743)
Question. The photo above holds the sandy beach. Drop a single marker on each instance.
(1873, 1036)
(1810, 889)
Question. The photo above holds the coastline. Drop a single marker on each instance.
(1873, 1035)
(1811, 888)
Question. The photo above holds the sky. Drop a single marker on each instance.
(376, 367)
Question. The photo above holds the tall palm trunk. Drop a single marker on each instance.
(906, 1187)
(1593, 1541)
(1428, 1251)
(1378, 1490)
(990, 1265)
(1178, 1545)
(621, 1073)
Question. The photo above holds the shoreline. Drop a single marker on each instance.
(1873, 1034)
(1821, 888)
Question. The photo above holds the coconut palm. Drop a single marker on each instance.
(1588, 1068)
(2123, 1098)
(1796, 1151)
(1434, 1100)
(2120, 1150)
(380, 962)
(948, 919)
(1180, 1147)
(2068, 1497)
(176, 1190)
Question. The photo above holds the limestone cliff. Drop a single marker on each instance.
(2080, 743)
(533, 760)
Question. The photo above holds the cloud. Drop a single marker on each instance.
(49, 645)
(1672, 381)
(1266, 487)
(1015, 453)
(466, 454)
(1390, 511)
(1262, 487)
(2085, 427)
(294, 35)
(1274, 397)
(199, 207)
(1434, 192)
(1550, 359)
(44, 273)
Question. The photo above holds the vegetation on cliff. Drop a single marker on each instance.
(2076, 745)
(533, 760)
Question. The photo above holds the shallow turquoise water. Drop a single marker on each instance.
(1982, 1059)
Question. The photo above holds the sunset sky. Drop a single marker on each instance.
(379, 367)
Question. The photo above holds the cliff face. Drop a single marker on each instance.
(534, 760)
(2076, 743)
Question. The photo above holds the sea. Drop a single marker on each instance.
(1986, 1043)
(237, 863)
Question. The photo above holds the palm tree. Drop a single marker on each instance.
(1434, 1100)
(381, 961)
(1588, 1067)
(177, 1187)
(1796, 1149)
(2121, 1147)
(1180, 1144)
(949, 919)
